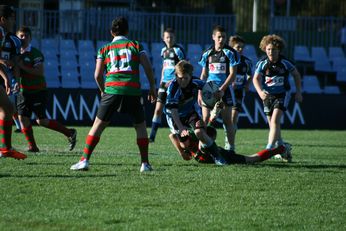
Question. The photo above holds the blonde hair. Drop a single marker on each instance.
(183, 67)
(273, 39)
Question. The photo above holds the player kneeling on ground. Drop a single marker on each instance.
(181, 109)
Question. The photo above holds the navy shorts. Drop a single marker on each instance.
(273, 101)
(128, 104)
(34, 102)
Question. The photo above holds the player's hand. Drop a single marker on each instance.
(263, 95)
(184, 132)
(299, 97)
(218, 95)
(152, 95)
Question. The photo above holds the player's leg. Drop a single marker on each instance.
(265, 154)
(226, 114)
(6, 111)
(156, 121)
(208, 143)
(205, 114)
(275, 128)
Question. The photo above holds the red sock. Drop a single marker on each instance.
(29, 136)
(5, 134)
(56, 126)
(143, 145)
(267, 153)
(90, 144)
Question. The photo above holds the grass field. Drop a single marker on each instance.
(41, 193)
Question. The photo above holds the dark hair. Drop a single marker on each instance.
(25, 30)
(169, 30)
(6, 11)
(120, 26)
(218, 28)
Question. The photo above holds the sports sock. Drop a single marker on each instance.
(90, 144)
(5, 134)
(267, 153)
(56, 126)
(16, 121)
(270, 146)
(156, 123)
(29, 136)
(143, 146)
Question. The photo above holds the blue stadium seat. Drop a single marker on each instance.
(250, 52)
(311, 84)
(335, 52)
(35, 43)
(100, 44)
(86, 46)
(331, 90)
(70, 78)
(50, 44)
(338, 63)
(87, 78)
(51, 73)
(194, 53)
(341, 75)
(301, 53)
(321, 60)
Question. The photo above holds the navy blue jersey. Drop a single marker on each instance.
(218, 63)
(183, 99)
(244, 69)
(171, 56)
(275, 75)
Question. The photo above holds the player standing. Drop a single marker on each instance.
(171, 55)
(240, 87)
(33, 94)
(271, 83)
(121, 90)
(9, 49)
(219, 64)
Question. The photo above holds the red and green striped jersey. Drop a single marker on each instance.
(121, 58)
(30, 83)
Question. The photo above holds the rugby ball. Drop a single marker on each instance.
(208, 92)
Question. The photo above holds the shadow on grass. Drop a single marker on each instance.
(299, 165)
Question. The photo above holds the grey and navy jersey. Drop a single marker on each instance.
(218, 63)
(275, 75)
(10, 46)
(183, 99)
(244, 69)
(171, 56)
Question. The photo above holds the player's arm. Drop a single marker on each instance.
(230, 78)
(98, 75)
(6, 79)
(298, 83)
(145, 62)
(204, 77)
(175, 141)
(258, 86)
(36, 69)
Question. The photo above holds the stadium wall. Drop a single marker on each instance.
(318, 111)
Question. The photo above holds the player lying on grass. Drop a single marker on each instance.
(190, 147)
(181, 109)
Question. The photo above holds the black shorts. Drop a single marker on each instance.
(162, 93)
(275, 101)
(123, 104)
(34, 102)
(239, 96)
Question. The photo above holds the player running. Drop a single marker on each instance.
(33, 94)
(9, 49)
(121, 90)
(272, 85)
(171, 55)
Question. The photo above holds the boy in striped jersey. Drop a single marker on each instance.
(121, 90)
(33, 94)
(9, 50)
(271, 83)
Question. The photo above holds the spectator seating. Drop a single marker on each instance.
(331, 90)
(301, 53)
(321, 59)
(86, 46)
(335, 52)
(194, 53)
(311, 84)
(100, 44)
(341, 75)
(69, 78)
(51, 73)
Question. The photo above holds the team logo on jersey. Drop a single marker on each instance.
(26, 59)
(7, 45)
(171, 55)
(222, 59)
(274, 81)
(217, 68)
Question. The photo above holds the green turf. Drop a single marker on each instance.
(41, 193)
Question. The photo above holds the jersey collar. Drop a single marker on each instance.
(27, 49)
(118, 38)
